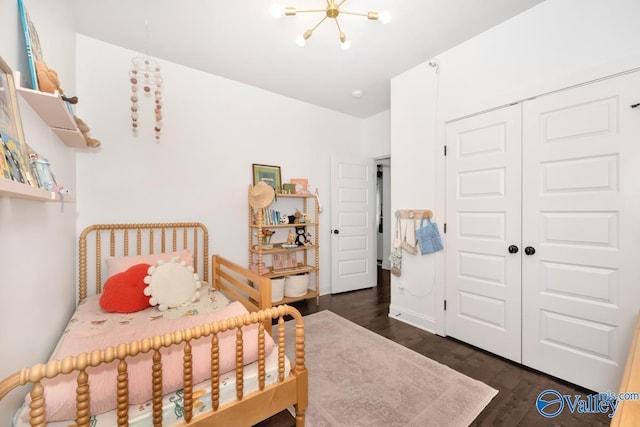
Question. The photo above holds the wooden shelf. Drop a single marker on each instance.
(19, 190)
(261, 258)
(55, 113)
(286, 300)
(295, 196)
(306, 224)
(291, 271)
(279, 250)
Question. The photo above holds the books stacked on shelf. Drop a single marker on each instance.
(271, 216)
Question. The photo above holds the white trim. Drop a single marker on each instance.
(597, 72)
(412, 318)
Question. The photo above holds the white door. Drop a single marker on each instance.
(483, 180)
(353, 224)
(581, 215)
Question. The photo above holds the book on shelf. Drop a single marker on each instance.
(32, 42)
(17, 158)
(269, 216)
(5, 172)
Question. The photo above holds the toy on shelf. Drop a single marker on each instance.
(49, 82)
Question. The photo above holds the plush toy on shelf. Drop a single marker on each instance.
(301, 217)
(49, 82)
(291, 238)
(301, 236)
(84, 129)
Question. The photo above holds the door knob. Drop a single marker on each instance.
(529, 250)
(513, 249)
(336, 231)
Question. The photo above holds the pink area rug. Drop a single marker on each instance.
(359, 378)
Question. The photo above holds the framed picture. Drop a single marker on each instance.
(288, 188)
(269, 174)
(301, 185)
(284, 261)
(15, 148)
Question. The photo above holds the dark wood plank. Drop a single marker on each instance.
(518, 386)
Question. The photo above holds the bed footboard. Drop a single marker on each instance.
(241, 284)
(289, 390)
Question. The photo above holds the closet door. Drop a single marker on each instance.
(483, 180)
(581, 215)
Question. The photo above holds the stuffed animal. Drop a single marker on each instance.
(291, 238)
(307, 239)
(84, 129)
(301, 217)
(284, 219)
(301, 236)
(49, 82)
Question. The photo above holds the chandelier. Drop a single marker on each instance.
(331, 11)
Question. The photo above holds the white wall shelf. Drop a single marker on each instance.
(54, 112)
(19, 190)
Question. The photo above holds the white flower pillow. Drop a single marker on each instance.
(171, 284)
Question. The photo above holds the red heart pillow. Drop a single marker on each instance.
(124, 292)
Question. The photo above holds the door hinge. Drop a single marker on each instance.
(445, 228)
(445, 150)
(445, 305)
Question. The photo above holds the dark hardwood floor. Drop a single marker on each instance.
(518, 386)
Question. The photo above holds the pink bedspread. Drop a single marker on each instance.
(91, 329)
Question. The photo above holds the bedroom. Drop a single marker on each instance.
(554, 45)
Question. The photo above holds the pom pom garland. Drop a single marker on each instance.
(146, 73)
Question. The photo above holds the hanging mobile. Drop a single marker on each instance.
(145, 74)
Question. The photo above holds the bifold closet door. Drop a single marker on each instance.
(581, 217)
(483, 267)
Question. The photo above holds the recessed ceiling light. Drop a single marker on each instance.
(357, 93)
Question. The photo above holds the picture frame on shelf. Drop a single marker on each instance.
(301, 185)
(284, 261)
(288, 188)
(12, 134)
(269, 174)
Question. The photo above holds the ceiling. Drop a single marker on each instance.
(239, 40)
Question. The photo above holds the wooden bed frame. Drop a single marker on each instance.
(237, 282)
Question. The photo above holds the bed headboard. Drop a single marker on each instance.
(138, 239)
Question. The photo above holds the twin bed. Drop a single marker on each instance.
(212, 361)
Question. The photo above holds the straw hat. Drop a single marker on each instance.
(261, 195)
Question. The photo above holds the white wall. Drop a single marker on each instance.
(413, 184)
(37, 254)
(551, 46)
(375, 135)
(214, 129)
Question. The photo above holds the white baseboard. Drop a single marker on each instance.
(412, 318)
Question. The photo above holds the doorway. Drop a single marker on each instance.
(383, 211)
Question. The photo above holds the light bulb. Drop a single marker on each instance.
(300, 41)
(345, 44)
(385, 17)
(277, 11)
